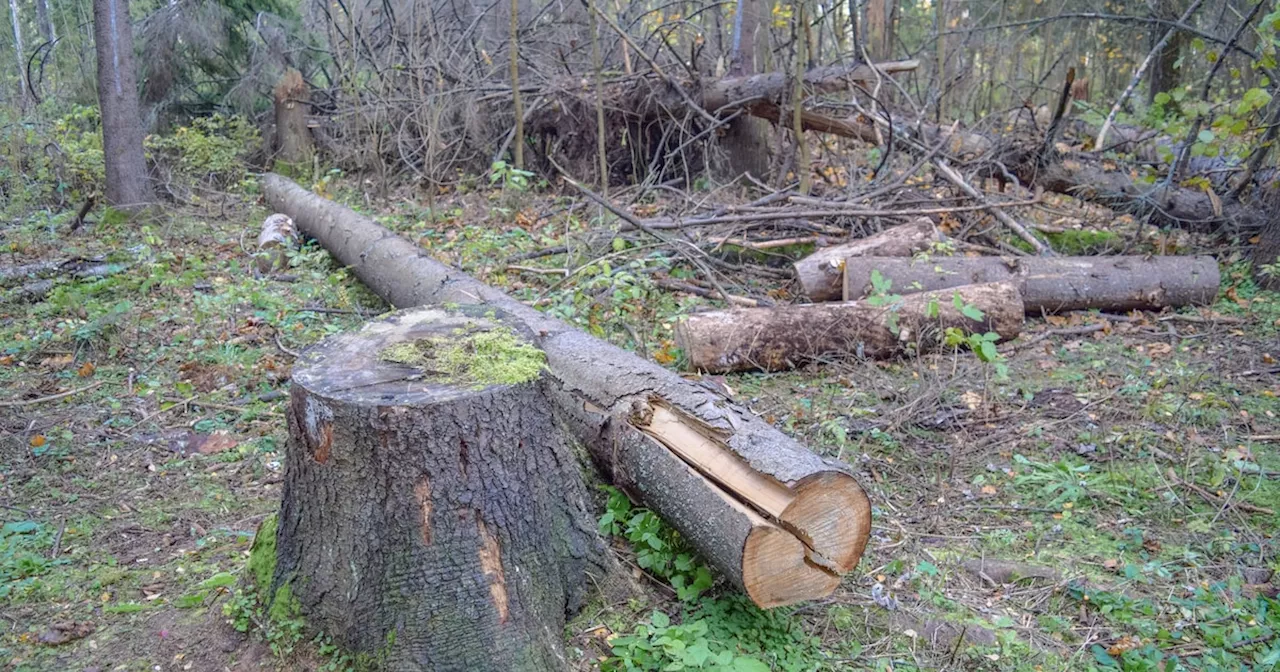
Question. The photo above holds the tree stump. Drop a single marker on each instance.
(294, 146)
(433, 517)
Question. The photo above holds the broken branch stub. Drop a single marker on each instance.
(606, 397)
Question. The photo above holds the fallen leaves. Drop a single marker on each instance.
(57, 362)
(64, 632)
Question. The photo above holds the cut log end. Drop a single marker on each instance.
(804, 535)
(776, 570)
(821, 274)
(832, 515)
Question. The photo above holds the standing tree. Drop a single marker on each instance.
(118, 96)
(17, 48)
(746, 141)
(45, 20)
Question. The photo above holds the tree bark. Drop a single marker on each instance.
(815, 517)
(1268, 248)
(1164, 72)
(747, 140)
(277, 238)
(431, 524)
(126, 167)
(294, 145)
(45, 19)
(517, 105)
(821, 274)
(775, 339)
(744, 89)
(880, 18)
(1052, 284)
(20, 59)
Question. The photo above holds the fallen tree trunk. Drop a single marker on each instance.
(419, 531)
(1086, 176)
(774, 339)
(730, 92)
(821, 274)
(771, 516)
(1052, 284)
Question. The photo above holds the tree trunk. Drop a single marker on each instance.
(768, 86)
(1268, 249)
(45, 18)
(122, 135)
(294, 145)
(20, 59)
(431, 523)
(1164, 72)
(821, 274)
(747, 141)
(775, 339)
(816, 520)
(1052, 284)
(517, 105)
(880, 18)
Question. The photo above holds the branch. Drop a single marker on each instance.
(1137, 76)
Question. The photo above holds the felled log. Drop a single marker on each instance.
(821, 274)
(432, 514)
(1052, 284)
(785, 337)
(728, 92)
(277, 237)
(769, 515)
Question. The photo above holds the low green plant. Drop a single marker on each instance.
(659, 549)
(212, 149)
(508, 176)
(728, 634)
(23, 557)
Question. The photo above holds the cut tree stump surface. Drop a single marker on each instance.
(431, 524)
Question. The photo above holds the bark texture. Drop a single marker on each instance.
(775, 339)
(603, 393)
(122, 133)
(44, 20)
(294, 143)
(1053, 284)
(20, 56)
(747, 140)
(433, 525)
(821, 274)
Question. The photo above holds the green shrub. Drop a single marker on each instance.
(211, 149)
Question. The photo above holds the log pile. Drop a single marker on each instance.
(899, 298)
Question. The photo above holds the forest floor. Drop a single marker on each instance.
(1119, 481)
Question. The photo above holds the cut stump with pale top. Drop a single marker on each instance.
(432, 519)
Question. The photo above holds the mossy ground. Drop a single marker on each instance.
(1133, 461)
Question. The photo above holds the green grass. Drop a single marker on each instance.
(1143, 488)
